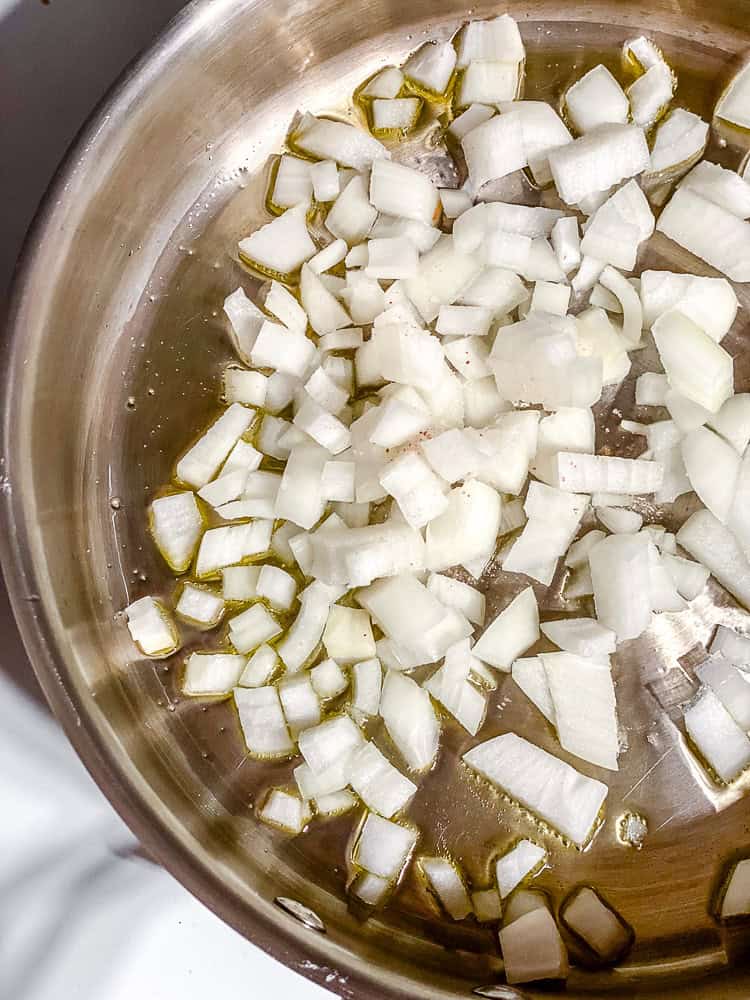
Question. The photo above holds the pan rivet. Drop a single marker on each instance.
(300, 912)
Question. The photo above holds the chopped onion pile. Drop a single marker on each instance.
(414, 400)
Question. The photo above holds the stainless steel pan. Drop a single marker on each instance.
(113, 354)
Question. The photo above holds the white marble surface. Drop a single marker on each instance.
(82, 918)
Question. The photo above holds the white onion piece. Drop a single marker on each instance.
(416, 489)
(578, 553)
(495, 148)
(387, 83)
(398, 190)
(176, 524)
(507, 448)
(569, 429)
(410, 721)
(708, 231)
(588, 274)
(423, 236)
(579, 584)
(618, 227)
(536, 361)
(227, 546)
(597, 924)
(721, 186)
(454, 202)
(583, 695)
(325, 181)
(337, 482)
(522, 860)
(354, 557)
(285, 811)
(720, 741)
(533, 949)
(490, 40)
(554, 518)
(530, 675)
(378, 783)
(732, 646)
(651, 388)
(370, 889)
(262, 721)
(329, 743)
(550, 297)
(287, 351)
(620, 575)
(260, 668)
(739, 515)
(640, 54)
(566, 242)
(245, 320)
(474, 226)
(651, 93)
(495, 289)
(487, 906)
(696, 365)
(328, 257)
(712, 467)
(585, 637)
(467, 529)
(733, 421)
(632, 322)
(383, 847)
(446, 883)
(543, 130)
(151, 628)
(511, 633)
(431, 66)
(466, 321)
(367, 678)
(307, 629)
(199, 606)
(730, 685)
(246, 387)
(323, 310)
(401, 348)
(239, 583)
(545, 785)
(326, 393)
(351, 216)
(328, 679)
(489, 83)
(686, 416)
(283, 305)
(227, 488)
(688, 577)
(523, 901)
(282, 245)
(387, 601)
(299, 702)
(397, 115)
(339, 141)
(293, 183)
(736, 899)
(711, 543)
(734, 104)
(679, 141)
(251, 628)
(579, 473)
(300, 497)
(597, 337)
(201, 462)
(348, 635)
(598, 160)
(596, 99)
(619, 521)
(456, 594)
(710, 303)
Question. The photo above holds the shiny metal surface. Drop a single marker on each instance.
(116, 343)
